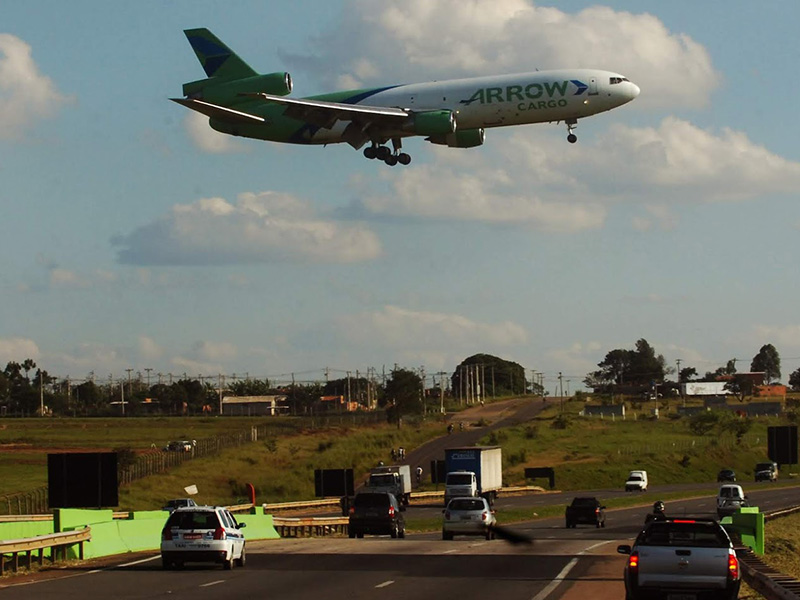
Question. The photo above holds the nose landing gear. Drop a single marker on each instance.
(571, 125)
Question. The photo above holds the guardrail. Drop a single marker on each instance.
(310, 526)
(56, 542)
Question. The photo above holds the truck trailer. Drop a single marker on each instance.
(395, 479)
(473, 471)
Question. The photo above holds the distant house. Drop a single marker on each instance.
(337, 403)
(611, 410)
(254, 406)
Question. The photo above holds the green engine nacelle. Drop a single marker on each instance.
(229, 92)
(463, 138)
(432, 122)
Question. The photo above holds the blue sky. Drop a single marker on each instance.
(674, 218)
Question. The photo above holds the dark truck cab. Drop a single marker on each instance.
(587, 511)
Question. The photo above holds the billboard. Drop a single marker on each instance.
(82, 480)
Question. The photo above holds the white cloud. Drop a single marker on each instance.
(17, 349)
(397, 327)
(207, 139)
(259, 228)
(418, 39)
(530, 179)
(780, 336)
(26, 96)
(149, 349)
(214, 351)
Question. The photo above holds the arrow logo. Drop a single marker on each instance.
(582, 87)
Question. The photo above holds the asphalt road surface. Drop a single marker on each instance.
(559, 564)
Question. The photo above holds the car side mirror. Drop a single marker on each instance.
(623, 549)
(602, 508)
(242, 525)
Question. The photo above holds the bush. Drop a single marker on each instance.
(560, 422)
(531, 432)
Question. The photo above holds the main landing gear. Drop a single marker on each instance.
(386, 155)
(571, 125)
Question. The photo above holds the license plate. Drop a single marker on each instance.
(466, 518)
(681, 597)
(192, 536)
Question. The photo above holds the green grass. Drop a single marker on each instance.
(782, 541)
(594, 453)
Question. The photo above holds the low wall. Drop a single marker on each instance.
(140, 531)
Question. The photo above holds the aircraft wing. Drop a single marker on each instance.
(325, 114)
(216, 111)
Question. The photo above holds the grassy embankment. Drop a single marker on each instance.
(586, 453)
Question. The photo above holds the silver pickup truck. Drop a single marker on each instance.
(681, 559)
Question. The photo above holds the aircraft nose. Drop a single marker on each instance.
(633, 90)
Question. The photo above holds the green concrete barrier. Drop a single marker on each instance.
(20, 530)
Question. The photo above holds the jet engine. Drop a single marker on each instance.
(431, 122)
(228, 92)
(463, 138)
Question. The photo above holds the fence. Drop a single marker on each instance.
(158, 461)
(55, 542)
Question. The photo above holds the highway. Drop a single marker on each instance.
(559, 564)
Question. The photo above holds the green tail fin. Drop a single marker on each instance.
(217, 59)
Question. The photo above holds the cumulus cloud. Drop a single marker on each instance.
(417, 40)
(258, 228)
(399, 327)
(534, 180)
(25, 94)
(18, 349)
(784, 336)
(207, 139)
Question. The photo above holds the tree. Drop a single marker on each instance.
(728, 369)
(403, 393)
(769, 361)
(638, 367)
(794, 380)
(687, 374)
(501, 377)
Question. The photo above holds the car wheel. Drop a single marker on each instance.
(402, 533)
(167, 564)
(228, 564)
(351, 533)
(360, 536)
(603, 524)
(242, 560)
(489, 534)
(447, 535)
(569, 524)
(394, 532)
(598, 525)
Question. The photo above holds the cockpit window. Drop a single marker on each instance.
(614, 80)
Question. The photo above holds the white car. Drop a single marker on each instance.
(468, 516)
(202, 534)
(730, 499)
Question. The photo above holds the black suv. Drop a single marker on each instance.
(376, 513)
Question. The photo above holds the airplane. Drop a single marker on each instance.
(456, 113)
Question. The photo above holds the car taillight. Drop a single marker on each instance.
(447, 515)
(391, 511)
(596, 511)
(733, 566)
(633, 564)
(219, 534)
(484, 515)
(166, 534)
(352, 510)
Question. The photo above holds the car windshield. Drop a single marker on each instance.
(635, 478)
(466, 504)
(584, 502)
(381, 480)
(459, 479)
(684, 534)
(764, 467)
(368, 500)
(193, 520)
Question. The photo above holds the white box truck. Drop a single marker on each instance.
(474, 471)
(395, 479)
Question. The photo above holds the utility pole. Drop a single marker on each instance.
(220, 379)
(41, 394)
(561, 391)
(148, 369)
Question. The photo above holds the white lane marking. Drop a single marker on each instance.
(592, 547)
(210, 583)
(384, 584)
(548, 589)
(135, 562)
(450, 551)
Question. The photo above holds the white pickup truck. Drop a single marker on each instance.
(681, 559)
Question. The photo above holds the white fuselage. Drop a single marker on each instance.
(504, 100)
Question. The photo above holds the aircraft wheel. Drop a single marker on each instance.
(370, 152)
(391, 160)
(403, 158)
(572, 138)
(383, 152)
